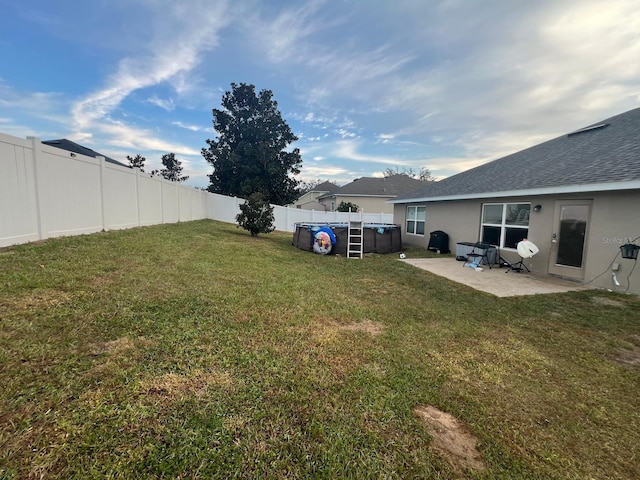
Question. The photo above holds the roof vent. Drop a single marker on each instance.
(600, 126)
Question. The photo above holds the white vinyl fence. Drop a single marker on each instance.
(47, 192)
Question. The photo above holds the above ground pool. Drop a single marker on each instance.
(332, 238)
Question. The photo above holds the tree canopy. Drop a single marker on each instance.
(305, 187)
(172, 169)
(137, 161)
(347, 207)
(423, 175)
(249, 154)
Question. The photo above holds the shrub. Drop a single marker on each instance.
(345, 206)
(256, 215)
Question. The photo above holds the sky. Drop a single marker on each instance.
(366, 85)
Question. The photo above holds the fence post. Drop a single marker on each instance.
(287, 219)
(37, 155)
(161, 199)
(102, 190)
(177, 190)
(138, 195)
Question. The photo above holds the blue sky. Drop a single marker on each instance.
(366, 85)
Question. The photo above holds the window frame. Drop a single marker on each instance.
(415, 220)
(504, 224)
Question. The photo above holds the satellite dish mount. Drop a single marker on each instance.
(526, 249)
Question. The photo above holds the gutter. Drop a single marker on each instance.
(595, 187)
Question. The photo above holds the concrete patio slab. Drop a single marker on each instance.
(496, 280)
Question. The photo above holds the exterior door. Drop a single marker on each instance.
(569, 238)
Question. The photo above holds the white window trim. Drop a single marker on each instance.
(503, 225)
(416, 220)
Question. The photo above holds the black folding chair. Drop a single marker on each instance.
(479, 253)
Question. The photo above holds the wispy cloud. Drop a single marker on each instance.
(282, 35)
(136, 139)
(193, 128)
(165, 57)
(348, 150)
(164, 103)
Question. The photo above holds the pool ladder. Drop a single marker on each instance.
(355, 239)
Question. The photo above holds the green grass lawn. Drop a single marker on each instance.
(197, 351)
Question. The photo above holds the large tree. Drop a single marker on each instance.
(249, 154)
(172, 169)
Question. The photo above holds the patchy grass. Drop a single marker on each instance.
(197, 351)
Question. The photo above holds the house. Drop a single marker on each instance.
(74, 148)
(370, 193)
(576, 197)
(308, 201)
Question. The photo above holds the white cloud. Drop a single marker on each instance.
(193, 128)
(166, 104)
(348, 150)
(345, 133)
(142, 139)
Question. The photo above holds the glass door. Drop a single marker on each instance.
(569, 238)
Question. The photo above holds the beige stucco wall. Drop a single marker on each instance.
(309, 201)
(614, 220)
(439, 216)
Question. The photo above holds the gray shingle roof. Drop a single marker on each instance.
(70, 146)
(603, 153)
(391, 186)
(325, 187)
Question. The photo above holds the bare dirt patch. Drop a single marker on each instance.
(39, 299)
(175, 386)
(451, 438)
(631, 356)
(609, 302)
(120, 345)
(372, 328)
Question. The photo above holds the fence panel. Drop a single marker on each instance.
(170, 199)
(150, 194)
(198, 200)
(222, 208)
(69, 193)
(120, 197)
(47, 192)
(18, 221)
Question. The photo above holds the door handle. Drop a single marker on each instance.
(554, 238)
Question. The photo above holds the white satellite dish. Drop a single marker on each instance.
(527, 249)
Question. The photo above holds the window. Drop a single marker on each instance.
(415, 220)
(505, 224)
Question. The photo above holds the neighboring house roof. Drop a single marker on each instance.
(391, 186)
(603, 156)
(325, 187)
(70, 146)
(312, 195)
